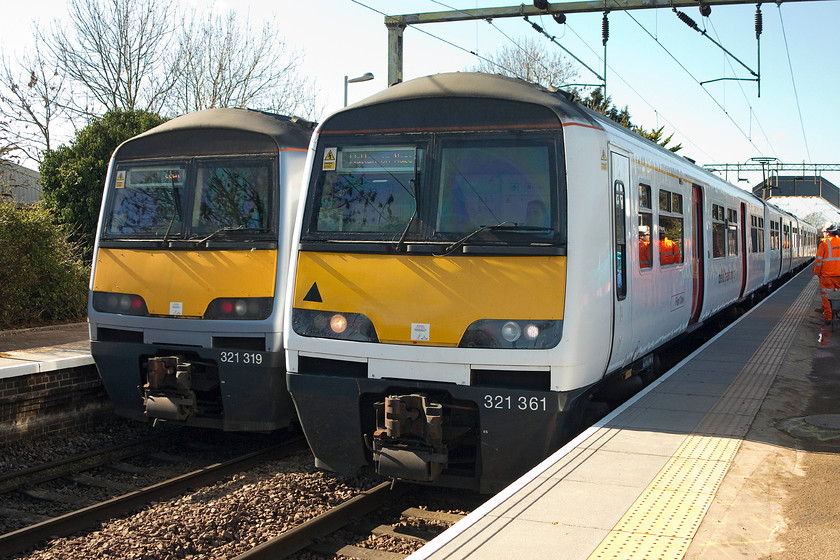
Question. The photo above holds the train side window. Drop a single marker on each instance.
(731, 232)
(645, 227)
(774, 235)
(644, 196)
(787, 237)
(670, 231)
(757, 233)
(620, 243)
(718, 231)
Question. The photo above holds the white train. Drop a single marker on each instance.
(471, 272)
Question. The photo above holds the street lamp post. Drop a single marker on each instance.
(363, 78)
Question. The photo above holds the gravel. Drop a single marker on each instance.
(216, 522)
(111, 431)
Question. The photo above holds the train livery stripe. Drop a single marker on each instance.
(664, 519)
(446, 293)
(193, 278)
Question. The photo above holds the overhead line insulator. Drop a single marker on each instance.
(759, 25)
(605, 28)
(686, 19)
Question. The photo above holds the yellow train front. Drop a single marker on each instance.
(189, 270)
(428, 289)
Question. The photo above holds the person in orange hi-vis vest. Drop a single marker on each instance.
(669, 252)
(644, 247)
(827, 266)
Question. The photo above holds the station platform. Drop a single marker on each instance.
(44, 349)
(733, 453)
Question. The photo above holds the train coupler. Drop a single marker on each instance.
(408, 441)
(168, 393)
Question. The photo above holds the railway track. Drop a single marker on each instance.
(371, 525)
(119, 478)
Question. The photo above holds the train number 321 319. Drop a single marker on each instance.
(247, 358)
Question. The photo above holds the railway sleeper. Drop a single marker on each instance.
(95, 482)
(352, 551)
(22, 516)
(43, 495)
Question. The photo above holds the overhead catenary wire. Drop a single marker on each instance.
(752, 112)
(617, 4)
(446, 41)
(793, 82)
(490, 22)
(640, 96)
(687, 71)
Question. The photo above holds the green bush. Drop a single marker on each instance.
(42, 277)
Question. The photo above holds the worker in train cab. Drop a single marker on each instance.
(669, 252)
(827, 266)
(644, 247)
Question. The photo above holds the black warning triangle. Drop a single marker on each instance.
(313, 294)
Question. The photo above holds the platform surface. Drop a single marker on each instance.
(734, 453)
(28, 351)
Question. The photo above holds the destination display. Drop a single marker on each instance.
(396, 159)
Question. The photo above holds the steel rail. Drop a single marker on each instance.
(303, 535)
(56, 469)
(29, 537)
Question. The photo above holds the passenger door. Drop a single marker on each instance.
(620, 181)
(698, 257)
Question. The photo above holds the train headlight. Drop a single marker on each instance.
(532, 331)
(329, 324)
(253, 309)
(338, 323)
(124, 304)
(520, 335)
(511, 331)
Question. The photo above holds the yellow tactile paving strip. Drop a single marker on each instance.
(662, 522)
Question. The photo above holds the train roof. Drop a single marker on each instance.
(372, 112)
(219, 132)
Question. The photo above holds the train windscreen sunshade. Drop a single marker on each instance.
(443, 114)
(202, 142)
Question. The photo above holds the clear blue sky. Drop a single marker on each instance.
(725, 122)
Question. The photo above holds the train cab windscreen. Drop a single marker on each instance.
(497, 192)
(191, 200)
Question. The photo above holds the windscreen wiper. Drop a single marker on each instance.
(414, 182)
(503, 226)
(227, 229)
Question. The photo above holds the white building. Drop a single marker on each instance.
(18, 183)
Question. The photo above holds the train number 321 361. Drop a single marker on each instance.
(247, 358)
(507, 402)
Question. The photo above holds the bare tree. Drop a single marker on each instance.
(122, 53)
(229, 64)
(31, 92)
(531, 61)
(9, 146)
(297, 96)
